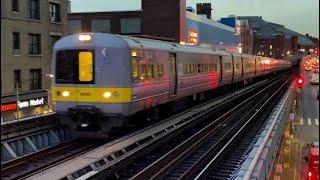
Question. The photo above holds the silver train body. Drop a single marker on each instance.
(101, 79)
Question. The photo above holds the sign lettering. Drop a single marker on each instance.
(8, 107)
(22, 104)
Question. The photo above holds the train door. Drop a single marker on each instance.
(233, 65)
(173, 74)
(242, 69)
(255, 66)
(221, 68)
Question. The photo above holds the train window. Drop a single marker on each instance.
(85, 66)
(190, 68)
(237, 65)
(65, 63)
(75, 67)
(149, 71)
(160, 68)
(214, 67)
(173, 65)
(200, 68)
(135, 69)
(187, 69)
(156, 71)
(143, 73)
(227, 66)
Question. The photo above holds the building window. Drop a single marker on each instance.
(75, 26)
(15, 5)
(35, 79)
(130, 25)
(16, 41)
(53, 40)
(17, 79)
(54, 12)
(33, 9)
(100, 25)
(34, 44)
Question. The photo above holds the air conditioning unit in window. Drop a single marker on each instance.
(52, 19)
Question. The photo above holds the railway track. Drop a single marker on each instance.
(27, 166)
(32, 164)
(224, 164)
(179, 155)
(183, 156)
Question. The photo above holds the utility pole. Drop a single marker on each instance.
(17, 96)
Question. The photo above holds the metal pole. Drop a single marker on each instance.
(17, 99)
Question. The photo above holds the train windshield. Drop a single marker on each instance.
(75, 67)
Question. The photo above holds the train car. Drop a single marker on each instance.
(101, 80)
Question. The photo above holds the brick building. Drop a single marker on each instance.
(29, 29)
(166, 20)
(275, 40)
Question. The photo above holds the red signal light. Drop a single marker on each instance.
(300, 81)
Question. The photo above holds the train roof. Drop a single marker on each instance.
(122, 41)
(135, 42)
(100, 40)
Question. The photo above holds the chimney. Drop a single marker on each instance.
(204, 8)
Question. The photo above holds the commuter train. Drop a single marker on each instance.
(101, 80)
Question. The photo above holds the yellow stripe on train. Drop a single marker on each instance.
(91, 94)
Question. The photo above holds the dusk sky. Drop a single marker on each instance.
(299, 15)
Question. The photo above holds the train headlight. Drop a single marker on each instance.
(84, 125)
(107, 95)
(65, 93)
(85, 37)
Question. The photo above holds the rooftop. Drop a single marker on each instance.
(267, 30)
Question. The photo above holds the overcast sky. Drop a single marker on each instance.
(299, 15)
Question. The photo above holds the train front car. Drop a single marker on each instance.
(91, 90)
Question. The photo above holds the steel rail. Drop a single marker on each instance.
(162, 166)
(201, 175)
(37, 162)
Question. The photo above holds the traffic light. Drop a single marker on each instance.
(300, 82)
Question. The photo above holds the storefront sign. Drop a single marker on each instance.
(8, 107)
(22, 104)
(31, 103)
